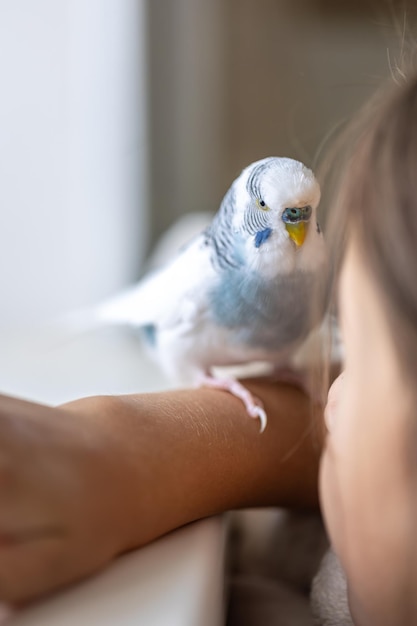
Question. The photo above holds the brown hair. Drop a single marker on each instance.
(377, 203)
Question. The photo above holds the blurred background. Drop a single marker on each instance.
(119, 116)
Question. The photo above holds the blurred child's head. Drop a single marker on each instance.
(369, 467)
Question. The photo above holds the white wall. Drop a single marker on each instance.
(73, 153)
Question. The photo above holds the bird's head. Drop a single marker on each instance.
(276, 200)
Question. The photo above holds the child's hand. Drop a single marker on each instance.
(59, 483)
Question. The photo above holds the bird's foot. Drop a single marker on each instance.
(252, 404)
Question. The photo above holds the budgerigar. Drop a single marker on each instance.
(243, 290)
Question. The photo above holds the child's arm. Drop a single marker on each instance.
(98, 476)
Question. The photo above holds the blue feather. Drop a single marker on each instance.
(264, 313)
(149, 333)
(261, 236)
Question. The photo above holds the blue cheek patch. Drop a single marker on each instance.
(261, 236)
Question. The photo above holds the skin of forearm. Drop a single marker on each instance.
(84, 482)
(189, 454)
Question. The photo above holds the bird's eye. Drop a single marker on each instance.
(262, 205)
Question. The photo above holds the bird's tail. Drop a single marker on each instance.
(63, 330)
(119, 310)
(75, 325)
(136, 306)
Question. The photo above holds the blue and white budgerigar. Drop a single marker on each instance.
(243, 289)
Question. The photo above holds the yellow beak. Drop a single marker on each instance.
(297, 232)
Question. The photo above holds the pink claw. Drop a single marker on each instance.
(253, 406)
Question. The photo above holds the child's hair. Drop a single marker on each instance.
(376, 203)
